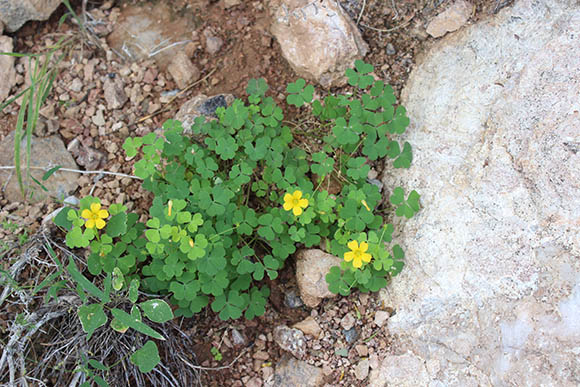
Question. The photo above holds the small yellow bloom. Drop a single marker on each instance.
(357, 254)
(295, 202)
(95, 216)
(170, 205)
(191, 244)
(364, 203)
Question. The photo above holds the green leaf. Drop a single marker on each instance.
(118, 280)
(157, 310)
(84, 283)
(118, 326)
(50, 172)
(405, 158)
(257, 87)
(117, 225)
(61, 219)
(134, 323)
(147, 357)
(92, 317)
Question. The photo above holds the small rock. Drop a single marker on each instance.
(347, 321)
(201, 105)
(261, 355)
(292, 300)
(114, 91)
(297, 373)
(350, 335)
(212, 42)
(319, 43)
(291, 340)
(451, 19)
(362, 350)
(7, 70)
(254, 382)
(98, 119)
(361, 371)
(85, 156)
(391, 49)
(76, 85)
(381, 317)
(312, 265)
(238, 338)
(309, 326)
(231, 3)
(267, 372)
(183, 70)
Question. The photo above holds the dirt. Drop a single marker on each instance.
(395, 32)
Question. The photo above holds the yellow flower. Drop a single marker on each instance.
(357, 254)
(95, 216)
(295, 202)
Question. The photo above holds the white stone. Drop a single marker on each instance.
(317, 38)
(14, 13)
(381, 317)
(183, 70)
(491, 287)
(312, 265)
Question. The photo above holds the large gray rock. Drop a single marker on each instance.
(14, 13)
(312, 265)
(490, 294)
(45, 152)
(7, 71)
(317, 38)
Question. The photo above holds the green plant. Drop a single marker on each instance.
(44, 68)
(234, 200)
(217, 355)
(113, 237)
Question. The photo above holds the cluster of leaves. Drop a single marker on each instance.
(216, 225)
(115, 252)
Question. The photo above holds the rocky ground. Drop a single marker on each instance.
(101, 97)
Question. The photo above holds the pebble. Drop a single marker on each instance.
(291, 340)
(351, 335)
(347, 321)
(361, 371)
(309, 326)
(261, 355)
(99, 119)
(391, 49)
(212, 43)
(238, 338)
(381, 317)
(292, 300)
(362, 350)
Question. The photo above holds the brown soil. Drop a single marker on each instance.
(249, 51)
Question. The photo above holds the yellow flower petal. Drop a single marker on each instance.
(366, 257)
(86, 214)
(287, 206)
(297, 211)
(303, 203)
(348, 256)
(364, 247)
(357, 262)
(353, 245)
(297, 195)
(90, 223)
(100, 223)
(95, 207)
(103, 214)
